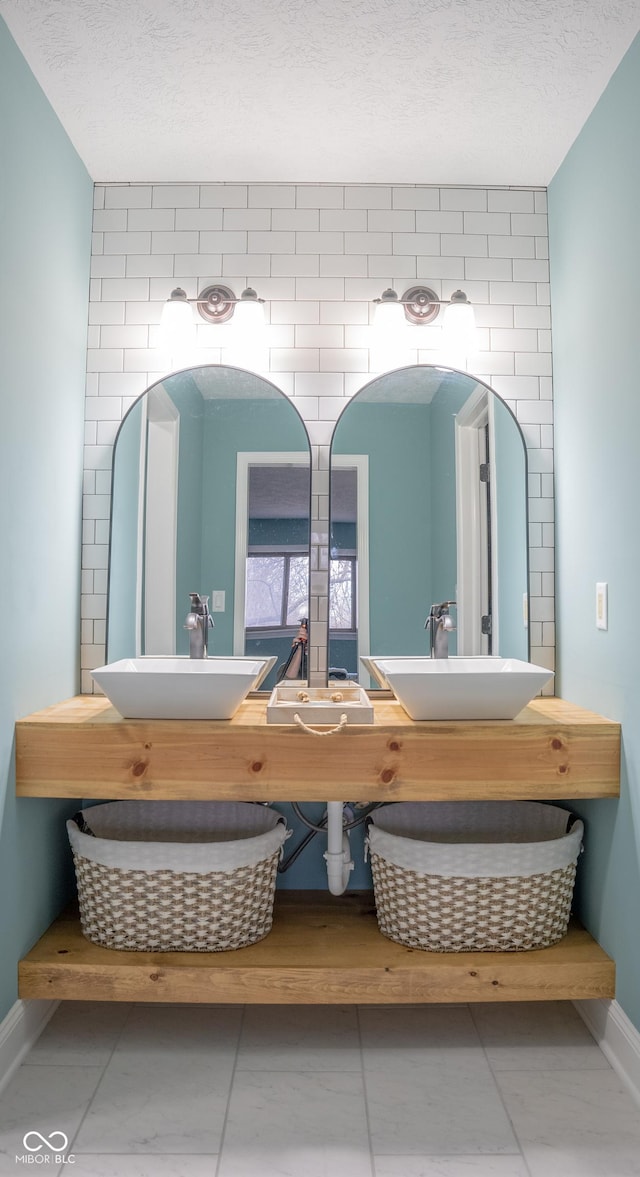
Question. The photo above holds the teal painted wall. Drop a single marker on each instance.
(595, 257)
(45, 239)
(397, 440)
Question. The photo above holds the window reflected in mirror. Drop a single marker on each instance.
(277, 562)
(343, 576)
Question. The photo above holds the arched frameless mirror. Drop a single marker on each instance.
(211, 494)
(428, 504)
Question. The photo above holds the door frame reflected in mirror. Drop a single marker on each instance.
(477, 564)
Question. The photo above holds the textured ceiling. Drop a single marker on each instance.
(360, 91)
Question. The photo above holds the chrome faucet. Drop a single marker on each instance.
(198, 621)
(440, 624)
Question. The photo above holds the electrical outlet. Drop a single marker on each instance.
(525, 610)
(217, 600)
(602, 605)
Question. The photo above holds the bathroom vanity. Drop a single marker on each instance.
(321, 949)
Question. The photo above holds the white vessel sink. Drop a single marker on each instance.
(460, 688)
(180, 688)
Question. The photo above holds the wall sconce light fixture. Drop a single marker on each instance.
(215, 304)
(419, 305)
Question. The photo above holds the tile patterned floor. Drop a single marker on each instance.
(320, 1091)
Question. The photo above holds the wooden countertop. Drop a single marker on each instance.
(84, 748)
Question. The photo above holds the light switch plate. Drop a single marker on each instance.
(602, 605)
(217, 600)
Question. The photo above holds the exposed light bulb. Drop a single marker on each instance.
(177, 328)
(459, 328)
(389, 336)
(389, 319)
(248, 319)
(247, 340)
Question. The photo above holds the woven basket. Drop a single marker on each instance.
(485, 876)
(176, 876)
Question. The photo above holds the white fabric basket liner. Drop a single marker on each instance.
(471, 839)
(195, 837)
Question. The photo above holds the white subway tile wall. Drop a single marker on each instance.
(318, 254)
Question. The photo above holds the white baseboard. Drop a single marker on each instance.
(22, 1027)
(617, 1038)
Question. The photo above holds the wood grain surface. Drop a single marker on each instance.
(321, 950)
(84, 748)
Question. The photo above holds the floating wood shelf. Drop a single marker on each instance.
(321, 950)
(83, 748)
